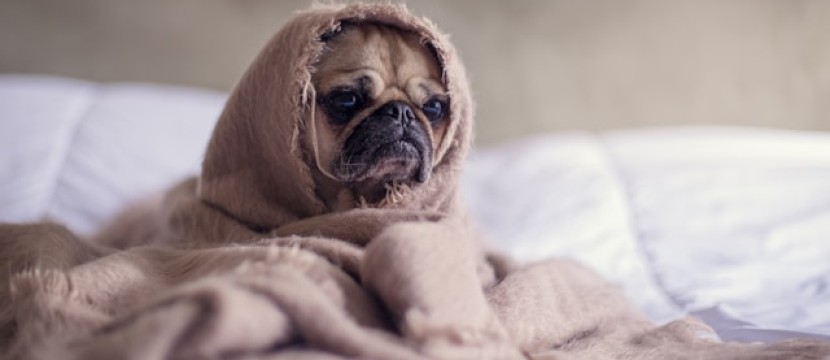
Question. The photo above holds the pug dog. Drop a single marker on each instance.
(381, 110)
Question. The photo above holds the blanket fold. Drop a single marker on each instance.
(248, 262)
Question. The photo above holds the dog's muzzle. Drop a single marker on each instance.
(391, 144)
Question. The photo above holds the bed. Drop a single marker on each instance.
(729, 224)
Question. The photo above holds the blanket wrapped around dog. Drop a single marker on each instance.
(247, 261)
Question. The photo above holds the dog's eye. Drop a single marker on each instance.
(434, 109)
(344, 101)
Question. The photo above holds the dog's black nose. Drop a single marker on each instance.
(399, 111)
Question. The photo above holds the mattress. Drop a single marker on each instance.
(728, 224)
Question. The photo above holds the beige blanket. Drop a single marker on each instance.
(249, 262)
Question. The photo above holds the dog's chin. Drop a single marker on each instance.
(371, 174)
(398, 161)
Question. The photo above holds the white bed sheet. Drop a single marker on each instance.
(730, 224)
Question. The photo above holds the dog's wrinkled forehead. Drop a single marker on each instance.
(379, 59)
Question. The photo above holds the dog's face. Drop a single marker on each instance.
(381, 108)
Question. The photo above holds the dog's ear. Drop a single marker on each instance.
(335, 31)
(432, 51)
(328, 35)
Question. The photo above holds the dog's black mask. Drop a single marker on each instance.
(389, 145)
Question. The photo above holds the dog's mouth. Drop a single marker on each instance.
(383, 150)
(398, 160)
(395, 161)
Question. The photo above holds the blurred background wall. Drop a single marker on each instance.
(535, 65)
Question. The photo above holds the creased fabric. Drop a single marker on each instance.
(246, 261)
